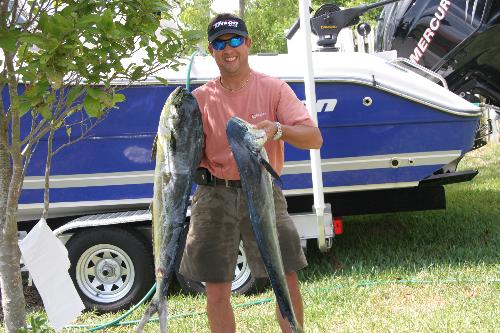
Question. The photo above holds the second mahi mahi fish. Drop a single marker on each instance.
(178, 148)
(247, 145)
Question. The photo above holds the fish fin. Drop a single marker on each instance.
(153, 149)
(173, 143)
(270, 169)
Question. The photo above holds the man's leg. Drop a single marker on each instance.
(298, 307)
(219, 310)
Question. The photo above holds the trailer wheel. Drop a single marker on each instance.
(111, 267)
(243, 282)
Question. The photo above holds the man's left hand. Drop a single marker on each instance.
(269, 127)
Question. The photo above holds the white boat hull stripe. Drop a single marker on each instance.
(291, 168)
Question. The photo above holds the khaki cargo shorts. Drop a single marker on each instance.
(219, 220)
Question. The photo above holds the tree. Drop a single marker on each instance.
(57, 61)
(196, 14)
(267, 21)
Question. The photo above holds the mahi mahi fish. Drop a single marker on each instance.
(178, 147)
(255, 172)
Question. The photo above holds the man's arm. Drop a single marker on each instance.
(299, 136)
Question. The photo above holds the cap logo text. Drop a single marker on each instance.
(228, 23)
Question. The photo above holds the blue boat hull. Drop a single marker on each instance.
(361, 145)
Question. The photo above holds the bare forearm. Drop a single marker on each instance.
(302, 137)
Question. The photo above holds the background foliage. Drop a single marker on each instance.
(267, 20)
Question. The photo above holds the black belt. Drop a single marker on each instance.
(228, 183)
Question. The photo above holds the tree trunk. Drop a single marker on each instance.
(13, 302)
(242, 9)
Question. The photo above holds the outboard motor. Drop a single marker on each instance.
(458, 39)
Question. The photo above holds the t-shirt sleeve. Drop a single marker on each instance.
(290, 110)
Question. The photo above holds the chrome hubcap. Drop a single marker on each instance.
(105, 273)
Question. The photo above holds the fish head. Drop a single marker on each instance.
(180, 116)
(180, 131)
(175, 110)
(246, 134)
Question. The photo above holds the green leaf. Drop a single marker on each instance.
(73, 94)
(106, 22)
(56, 79)
(33, 39)
(117, 98)
(106, 99)
(8, 40)
(44, 110)
(68, 131)
(87, 21)
(92, 106)
(162, 80)
(94, 92)
(57, 25)
(137, 73)
(43, 22)
(103, 97)
(159, 6)
(37, 89)
(24, 107)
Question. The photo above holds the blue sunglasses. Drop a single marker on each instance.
(219, 44)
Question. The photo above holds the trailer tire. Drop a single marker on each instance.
(111, 268)
(244, 283)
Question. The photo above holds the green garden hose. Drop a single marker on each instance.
(118, 322)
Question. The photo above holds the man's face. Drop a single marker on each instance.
(231, 60)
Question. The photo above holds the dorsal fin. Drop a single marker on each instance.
(270, 169)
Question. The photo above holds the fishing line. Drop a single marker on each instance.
(188, 75)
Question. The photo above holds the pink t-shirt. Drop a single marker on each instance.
(263, 97)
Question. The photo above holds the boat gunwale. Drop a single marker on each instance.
(369, 83)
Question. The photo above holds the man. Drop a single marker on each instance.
(219, 218)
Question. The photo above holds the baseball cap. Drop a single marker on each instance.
(227, 26)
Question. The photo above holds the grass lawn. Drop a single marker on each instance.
(435, 271)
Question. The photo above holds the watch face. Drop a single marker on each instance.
(279, 132)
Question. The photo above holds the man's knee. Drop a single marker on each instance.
(292, 279)
(293, 285)
(218, 292)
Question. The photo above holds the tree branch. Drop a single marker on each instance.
(4, 10)
(84, 135)
(45, 213)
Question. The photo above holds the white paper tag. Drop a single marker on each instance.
(47, 261)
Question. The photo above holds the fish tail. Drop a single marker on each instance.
(151, 309)
(162, 315)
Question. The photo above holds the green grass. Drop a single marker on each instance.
(409, 272)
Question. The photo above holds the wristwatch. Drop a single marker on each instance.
(279, 131)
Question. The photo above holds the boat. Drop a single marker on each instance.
(387, 131)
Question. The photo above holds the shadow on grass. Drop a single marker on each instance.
(405, 243)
